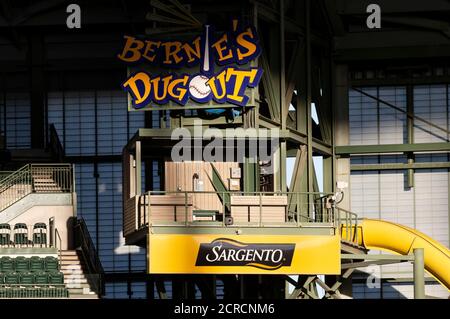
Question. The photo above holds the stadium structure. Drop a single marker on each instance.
(200, 149)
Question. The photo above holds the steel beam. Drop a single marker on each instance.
(302, 287)
(340, 280)
(392, 148)
(398, 166)
(432, 79)
(352, 7)
(370, 263)
(378, 257)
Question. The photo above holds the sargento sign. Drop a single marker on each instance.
(223, 75)
(228, 252)
(243, 254)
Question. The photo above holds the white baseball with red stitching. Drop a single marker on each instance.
(198, 87)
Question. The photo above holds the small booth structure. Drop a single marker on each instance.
(204, 207)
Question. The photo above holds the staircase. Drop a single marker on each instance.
(44, 182)
(351, 236)
(74, 276)
(35, 178)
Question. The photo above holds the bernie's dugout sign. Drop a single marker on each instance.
(212, 68)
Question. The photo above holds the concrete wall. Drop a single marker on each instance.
(39, 208)
(42, 214)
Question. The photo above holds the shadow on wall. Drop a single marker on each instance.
(71, 222)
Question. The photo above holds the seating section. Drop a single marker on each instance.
(34, 277)
(23, 235)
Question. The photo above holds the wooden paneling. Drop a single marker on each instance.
(129, 216)
(246, 209)
(170, 208)
(179, 176)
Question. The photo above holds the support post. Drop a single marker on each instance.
(310, 166)
(419, 274)
(410, 129)
(138, 168)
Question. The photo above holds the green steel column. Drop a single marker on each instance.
(419, 274)
(138, 168)
(310, 166)
(283, 185)
(328, 174)
(251, 176)
(410, 128)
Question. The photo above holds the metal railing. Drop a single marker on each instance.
(58, 246)
(254, 209)
(347, 222)
(94, 268)
(52, 178)
(35, 178)
(4, 174)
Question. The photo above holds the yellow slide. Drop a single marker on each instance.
(383, 235)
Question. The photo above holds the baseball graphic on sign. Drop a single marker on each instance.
(198, 87)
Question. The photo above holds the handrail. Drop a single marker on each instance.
(35, 178)
(13, 176)
(58, 247)
(322, 211)
(86, 246)
(55, 144)
(350, 222)
(4, 175)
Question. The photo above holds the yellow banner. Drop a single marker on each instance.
(243, 254)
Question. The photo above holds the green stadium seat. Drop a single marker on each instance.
(5, 234)
(40, 234)
(41, 278)
(11, 278)
(36, 264)
(56, 278)
(51, 264)
(6, 264)
(22, 264)
(20, 234)
(27, 278)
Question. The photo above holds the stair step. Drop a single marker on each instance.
(80, 277)
(69, 253)
(69, 272)
(80, 291)
(69, 257)
(82, 296)
(71, 261)
(70, 281)
(77, 285)
(71, 267)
